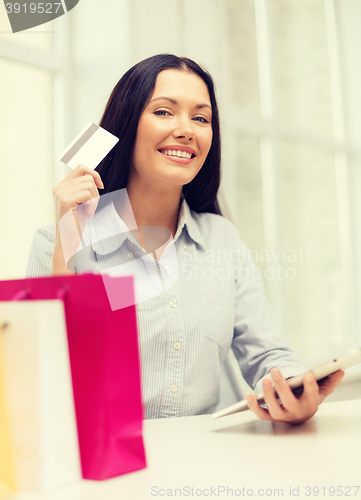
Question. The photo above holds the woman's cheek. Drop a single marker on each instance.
(207, 138)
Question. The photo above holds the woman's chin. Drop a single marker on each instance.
(176, 179)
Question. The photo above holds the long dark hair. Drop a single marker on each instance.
(127, 102)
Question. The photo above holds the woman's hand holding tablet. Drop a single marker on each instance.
(288, 407)
(296, 400)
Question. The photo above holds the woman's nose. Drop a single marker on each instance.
(184, 130)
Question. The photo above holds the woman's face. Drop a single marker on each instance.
(174, 132)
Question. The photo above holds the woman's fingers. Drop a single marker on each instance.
(75, 191)
(296, 408)
(83, 183)
(285, 394)
(274, 408)
(80, 186)
(285, 407)
(310, 396)
(81, 170)
(80, 174)
(253, 405)
(69, 199)
(327, 386)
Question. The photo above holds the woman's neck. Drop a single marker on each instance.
(155, 207)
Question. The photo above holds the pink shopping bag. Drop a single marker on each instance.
(104, 359)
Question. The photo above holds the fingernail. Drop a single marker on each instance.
(249, 398)
(275, 374)
(266, 383)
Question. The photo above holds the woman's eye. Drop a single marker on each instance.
(161, 112)
(164, 112)
(202, 119)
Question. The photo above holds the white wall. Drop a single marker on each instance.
(102, 52)
(350, 43)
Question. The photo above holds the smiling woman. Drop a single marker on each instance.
(170, 129)
(175, 92)
(167, 161)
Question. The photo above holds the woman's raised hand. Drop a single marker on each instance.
(80, 187)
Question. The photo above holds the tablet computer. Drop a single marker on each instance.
(342, 362)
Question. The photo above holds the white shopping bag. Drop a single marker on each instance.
(39, 394)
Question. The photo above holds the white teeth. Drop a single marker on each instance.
(181, 154)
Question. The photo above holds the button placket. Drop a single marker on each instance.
(175, 359)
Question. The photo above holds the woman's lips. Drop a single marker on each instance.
(178, 159)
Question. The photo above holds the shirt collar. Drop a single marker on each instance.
(108, 231)
(191, 223)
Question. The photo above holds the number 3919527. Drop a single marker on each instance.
(39, 8)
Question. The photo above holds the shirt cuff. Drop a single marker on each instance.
(287, 372)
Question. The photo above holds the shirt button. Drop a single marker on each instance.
(173, 303)
(177, 345)
(173, 388)
(167, 269)
(184, 247)
(130, 255)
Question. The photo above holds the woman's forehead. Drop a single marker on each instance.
(179, 84)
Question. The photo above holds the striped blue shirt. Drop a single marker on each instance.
(204, 296)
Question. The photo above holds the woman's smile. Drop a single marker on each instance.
(179, 154)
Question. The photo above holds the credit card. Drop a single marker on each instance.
(89, 147)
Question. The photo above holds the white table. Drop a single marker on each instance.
(239, 451)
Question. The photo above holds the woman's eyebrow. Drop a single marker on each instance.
(173, 101)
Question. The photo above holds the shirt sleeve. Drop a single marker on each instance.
(41, 252)
(258, 342)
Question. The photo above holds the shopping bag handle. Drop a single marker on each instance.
(25, 292)
(61, 292)
(22, 294)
